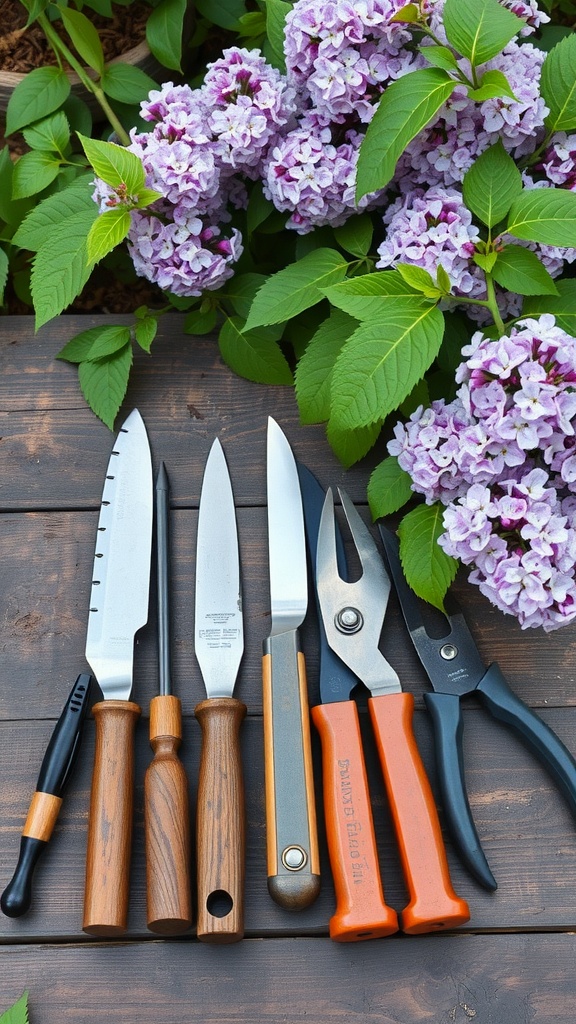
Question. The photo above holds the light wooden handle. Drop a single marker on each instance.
(167, 823)
(220, 824)
(110, 820)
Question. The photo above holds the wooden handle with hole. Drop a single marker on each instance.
(433, 905)
(110, 820)
(220, 822)
(167, 823)
(361, 911)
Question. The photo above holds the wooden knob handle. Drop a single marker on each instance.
(110, 820)
(220, 824)
(167, 823)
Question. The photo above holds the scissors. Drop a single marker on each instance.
(455, 670)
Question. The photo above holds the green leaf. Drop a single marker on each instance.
(18, 1013)
(259, 209)
(226, 13)
(34, 8)
(146, 197)
(51, 134)
(479, 29)
(491, 185)
(485, 260)
(314, 369)
(276, 11)
(52, 211)
(428, 569)
(164, 32)
(104, 383)
(3, 273)
(241, 291)
(39, 93)
(200, 323)
(410, 14)
(84, 36)
(126, 83)
(492, 85)
(296, 287)
(145, 331)
(419, 279)
(352, 445)
(558, 86)
(546, 215)
(444, 282)
(78, 349)
(12, 211)
(251, 354)
(389, 488)
(109, 341)
(114, 164)
(406, 106)
(364, 297)
(33, 172)
(519, 270)
(355, 236)
(562, 306)
(106, 233)
(440, 57)
(61, 268)
(381, 362)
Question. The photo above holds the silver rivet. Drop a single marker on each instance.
(349, 620)
(448, 652)
(294, 858)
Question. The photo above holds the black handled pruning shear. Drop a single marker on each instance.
(456, 670)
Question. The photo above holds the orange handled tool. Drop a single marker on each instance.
(352, 615)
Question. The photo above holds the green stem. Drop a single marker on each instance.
(60, 48)
(493, 305)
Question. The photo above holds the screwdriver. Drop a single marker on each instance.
(166, 812)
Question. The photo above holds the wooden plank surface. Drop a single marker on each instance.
(512, 963)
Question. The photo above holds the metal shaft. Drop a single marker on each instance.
(163, 560)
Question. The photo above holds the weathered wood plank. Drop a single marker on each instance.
(443, 979)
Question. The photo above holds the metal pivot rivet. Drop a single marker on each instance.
(294, 858)
(448, 652)
(349, 620)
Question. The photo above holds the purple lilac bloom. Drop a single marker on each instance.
(559, 163)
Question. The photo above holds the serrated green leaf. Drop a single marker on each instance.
(428, 569)
(389, 488)
(351, 445)
(491, 185)
(381, 362)
(405, 108)
(114, 164)
(33, 172)
(440, 57)
(107, 342)
(558, 85)
(276, 11)
(199, 323)
(39, 93)
(3, 273)
(126, 83)
(52, 211)
(355, 236)
(492, 85)
(419, 279)
(146, 197)
(562, 306)
(519, 270)
(104, 384)
(106, 233)
(18, 1013)
(296, 287)
(51, 134)
(546, 215)
(314, 369)
(77, 349)
(363, 297)
(61, 268)
(84, 36)
(479, 29)
(251, 354)
(145, 331)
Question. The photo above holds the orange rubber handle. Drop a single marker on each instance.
(433, 903)
(361, 912)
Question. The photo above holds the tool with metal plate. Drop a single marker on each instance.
(456, 670)
(55, 771)
(353, 615)
(166, 808)
(293, 863)
(118, 608)
(219, 645)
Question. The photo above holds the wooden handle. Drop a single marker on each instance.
(433, 902)
(167, 823)
(220, 826)
(110, 820)
(361, 911)
(293, 860)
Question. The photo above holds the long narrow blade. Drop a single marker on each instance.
(121, 578)
(286, 536)
(218, 622)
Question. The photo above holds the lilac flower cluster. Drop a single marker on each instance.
(502, 458)
(559, 163)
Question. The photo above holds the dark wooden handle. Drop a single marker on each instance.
(110, 820)
(220, 825)
(167, 823)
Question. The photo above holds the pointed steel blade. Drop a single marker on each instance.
(286, 535)
(218, 621)
(121, 577)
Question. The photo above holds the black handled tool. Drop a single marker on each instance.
(47, 800)
(456, 670)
